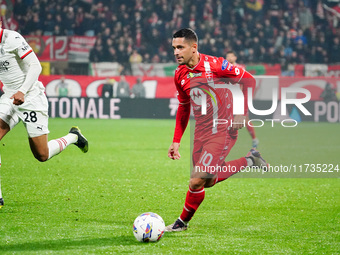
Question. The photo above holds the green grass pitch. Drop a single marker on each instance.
(86, 203)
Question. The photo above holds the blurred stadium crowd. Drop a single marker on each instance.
(260, 31)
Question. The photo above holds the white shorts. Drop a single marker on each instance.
(33, 113)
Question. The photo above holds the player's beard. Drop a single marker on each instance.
(181, 63)
(186, 62)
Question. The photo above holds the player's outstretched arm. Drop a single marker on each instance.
(173, 151)
(182, 119)
(33, 72)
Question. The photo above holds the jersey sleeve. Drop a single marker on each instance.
(182, 91)
(236, 74)
(183, 111)
(17, 43)
(225, 69)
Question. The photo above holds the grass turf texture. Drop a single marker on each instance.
(86, 203)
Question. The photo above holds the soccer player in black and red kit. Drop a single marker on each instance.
(198, 76)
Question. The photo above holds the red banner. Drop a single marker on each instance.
(163, 87)
(299, 70)
(315, 85)
(272, 69)
(88, 86)
(333, 71)
(79, 48)
(49, 48)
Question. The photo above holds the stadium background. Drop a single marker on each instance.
(106, 39)
(87, 205)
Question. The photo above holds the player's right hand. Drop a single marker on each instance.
(18, 98)
(173, 152)
(239, 122)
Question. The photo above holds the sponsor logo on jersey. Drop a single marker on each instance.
(209, 76)
(194, 75)
(196, 94)
(199, 96)
(25, 47)
(3, 66)
(226, 65)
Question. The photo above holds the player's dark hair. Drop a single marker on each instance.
(231, 52)
(187, 34)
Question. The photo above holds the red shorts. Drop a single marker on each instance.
(210, 153)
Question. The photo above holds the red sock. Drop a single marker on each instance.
(229, 168)
(192, 201)
(251, 131)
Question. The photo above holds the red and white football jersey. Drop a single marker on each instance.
(199, 86)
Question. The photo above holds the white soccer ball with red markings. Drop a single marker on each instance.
(148, 227)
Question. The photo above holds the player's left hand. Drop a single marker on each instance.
(239, 122)
(18, 98)
(173, 151)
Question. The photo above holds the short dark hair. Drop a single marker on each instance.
(187, 34)
(231, 52)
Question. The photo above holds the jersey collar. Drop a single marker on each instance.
(196, 64)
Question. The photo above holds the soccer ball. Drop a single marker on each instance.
(148, 227)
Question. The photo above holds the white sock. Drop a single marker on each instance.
(249, 162)
(58, 145)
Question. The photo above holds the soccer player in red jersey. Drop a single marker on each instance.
(199, 77)
(231, 57)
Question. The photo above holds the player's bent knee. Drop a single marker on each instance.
(41, 157)
(39, 147)
(197, 183)
(210, 182)
(4, 128)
